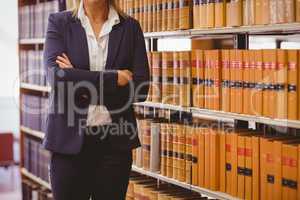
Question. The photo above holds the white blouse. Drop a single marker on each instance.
(98, 47)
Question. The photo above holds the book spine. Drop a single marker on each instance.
(156, 75)
(225, 81)
(195, 149)
(241, 167)
(203, 13)
(222, 153)
(188, 155)
(164, 15)
(220, 13)
(201, 156)
(293, 85)
(176, 74)
(169, 149)
(185, 76)
(210, 13)
(196, 14)
(248, 170)
(181, 154)
(207, 158)
(176, 20)
(281, 85)
(170, 15)
(214, 160)
(163, 143)
(185, 13)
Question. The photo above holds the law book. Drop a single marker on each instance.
(258, 93)
(256, 168)
(281, 85)
(147, 15)
(263, 169)
(208, 90)
(146, 129)
(259, 12)
(266, 11)
(273, 12)
(214, 159)
(195, 152)
(181, 153)
(207, 153)
(155, 146)
(169, 149)
(268, 74)
(201, 156)
(167, 77)
(170, 16)
(176, 14)
(142, 14)
(239, 81)
(139, 151)
(185, 76)
(154, 6)
(163, 143)
(159, 14)
(280, 11)
(194, 79)
(252, 85)
(241, 167)
(156, 75)
(233, 81)
(292, 101)
(229, 169)
(298, 66)
(297, 10)
(203, 13)
(289, 11)
(176, 83)
(248, 153)
(149, 57)
(185, 14)
(246, 83)
(164, 15)
(235, 10)
(225, 81)
(249, 12)
(234, 164)
(135, 9)
(289, 171)
(210, 13)
(220, 13)
(222, 161)
(196, 14)
(272, 86)
(277, 167)
(216, 64)
(188, 155)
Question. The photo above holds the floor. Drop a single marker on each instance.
(10, 184)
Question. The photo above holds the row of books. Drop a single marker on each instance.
(32, 191)
(142, 187)
(31, 67)
(243, 163)
(168, 15)
(33, 19)
(36, 158)
(34, 109)
(254, 82)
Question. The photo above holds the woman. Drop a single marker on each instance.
(97, 66)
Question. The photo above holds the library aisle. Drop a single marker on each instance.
(214, 111)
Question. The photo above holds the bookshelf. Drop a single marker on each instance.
(240, 33)
(34, 178)
(35, 87)
(203, 191)
(221, 115)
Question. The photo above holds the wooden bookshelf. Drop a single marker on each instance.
(203, 191)
(34, 87)
(32, 41)
(31, 132)
(34, 178)
(223, 116)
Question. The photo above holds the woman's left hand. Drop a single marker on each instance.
(63, 61)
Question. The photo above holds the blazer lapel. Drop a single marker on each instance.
(115, 37)
(80, 44)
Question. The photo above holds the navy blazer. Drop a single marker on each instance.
(70, 95)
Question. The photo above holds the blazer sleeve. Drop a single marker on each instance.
(54, 46)
(140, 65)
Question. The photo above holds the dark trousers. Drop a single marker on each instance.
(98, 172)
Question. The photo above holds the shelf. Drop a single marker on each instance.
(35, 178)
(34, 133)
(224, 116)
(32, 41)
(209, 193)
(34, 87)
(162, 106)
(255, 29)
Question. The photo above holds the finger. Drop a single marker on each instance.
(63, 60)
(65, 56)
(62, 64)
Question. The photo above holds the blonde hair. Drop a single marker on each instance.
(113, 3)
